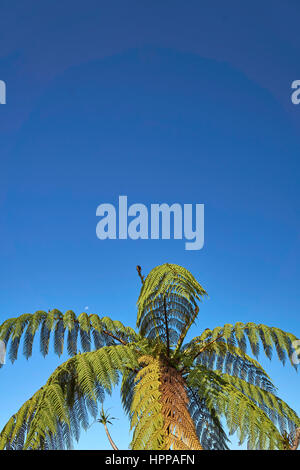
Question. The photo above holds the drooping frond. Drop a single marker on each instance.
(167, 305)
(61, 407)
(225, 357)
(127, 390)
(257, 335)
(94, 332)
(242, 414)
(209, 429)
(277, 410)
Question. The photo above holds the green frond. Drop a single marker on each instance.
(104, 332)
(269, 337)
(165, 318)
(167, 305)
(225, 357)
(242, 414)
(169, 279)
(127, 390)
(208, 426)
(276, 409)
(61, 407)
(146, 415)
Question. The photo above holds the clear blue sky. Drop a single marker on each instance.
(170, 101)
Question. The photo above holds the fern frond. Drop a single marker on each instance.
(63, 404)
(167, 305)
(269, 337)
(209, 429)
(146, 409)
(277, 410)
(225, 357)
(127, 390)
(169, 279)
(242, 414)
(104, 331)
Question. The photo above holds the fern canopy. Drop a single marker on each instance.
(176, 394)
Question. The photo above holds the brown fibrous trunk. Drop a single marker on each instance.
(179, 427)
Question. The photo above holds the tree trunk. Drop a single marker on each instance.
(109, 437)
(178, 425)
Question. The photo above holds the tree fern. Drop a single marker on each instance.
(175, 394)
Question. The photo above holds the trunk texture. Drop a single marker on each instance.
(179, 427)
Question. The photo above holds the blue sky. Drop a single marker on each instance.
(164, 102)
